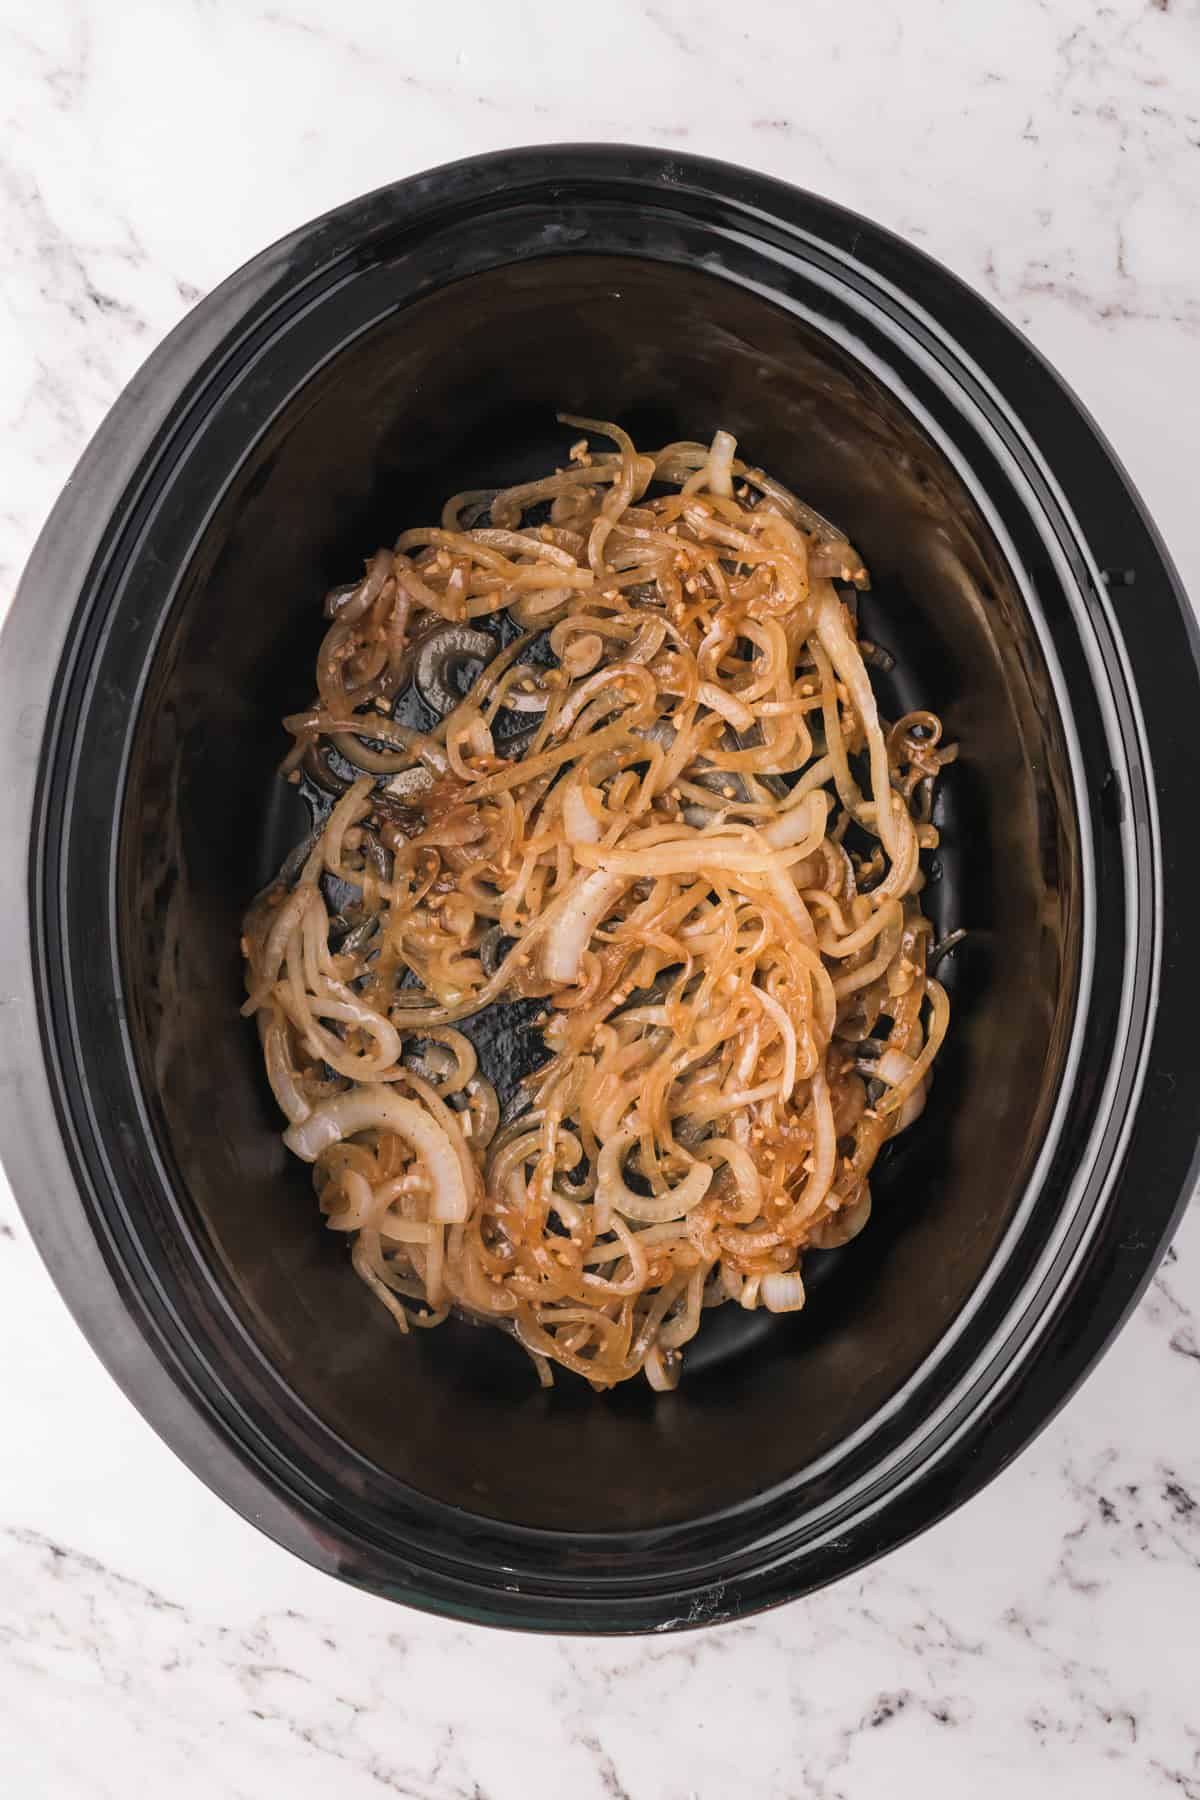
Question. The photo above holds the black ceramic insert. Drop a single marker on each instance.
(418, 341)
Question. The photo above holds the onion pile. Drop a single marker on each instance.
(659, 801)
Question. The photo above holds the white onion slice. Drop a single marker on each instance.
(720, 464)
(579, 821)
(662, 1369)
(787, 1032)
(844, 655)
(739, 715)
(799, 822)
(281, 1074)
(612, 1195)
(745, 1175)
(894, 1067)
(568, 937)
(366, 1109)
(782, 1293)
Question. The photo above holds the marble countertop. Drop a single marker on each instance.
(1049, 1633)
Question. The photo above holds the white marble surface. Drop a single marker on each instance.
(1049, 1634)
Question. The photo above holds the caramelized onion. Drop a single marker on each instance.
(382, 1110)
(668, 814)
(572, 930)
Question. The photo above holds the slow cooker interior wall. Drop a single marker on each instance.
(461, 390)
